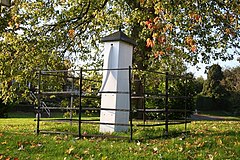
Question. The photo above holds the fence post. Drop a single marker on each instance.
(144, 105)
(130, 102)
(39, 102)
(186, 99)
(80, 105)
(166, 103)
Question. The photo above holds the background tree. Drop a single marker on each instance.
(37, 35)
(214, 95)
(231, 79)
(212, 86)
(198, 83)
(231, 83)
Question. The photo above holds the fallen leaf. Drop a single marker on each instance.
(219, 142)
(39, 144)
(77, 156)
(210, 157)
(21, 148)
(138, 143)
(201, 144)
(104, 158)
(5, 142)
(69, 151)
(86, 151)
(180, 149)
(155, 150)
(19, 144)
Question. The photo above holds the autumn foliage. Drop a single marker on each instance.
(194, 28)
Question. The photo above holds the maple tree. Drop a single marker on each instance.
(41, 34)
(172, 33)
(212, 86)
(200, 31)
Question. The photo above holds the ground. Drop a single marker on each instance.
(197, 117)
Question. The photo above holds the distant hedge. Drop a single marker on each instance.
(209, 103)
(3, 110)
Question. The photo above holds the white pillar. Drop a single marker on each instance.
(118, 50)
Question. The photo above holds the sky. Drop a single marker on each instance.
(223, 64)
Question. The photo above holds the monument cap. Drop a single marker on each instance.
(118, 36)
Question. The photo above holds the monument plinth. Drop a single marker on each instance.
(118, 49)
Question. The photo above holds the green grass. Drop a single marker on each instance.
(206, 140)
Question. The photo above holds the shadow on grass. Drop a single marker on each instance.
(231, 133)
(20, 114)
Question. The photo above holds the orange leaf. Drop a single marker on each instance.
(71, 33)
(227, 31)
(193, 48)
(154, 35)
(161, 53)
(141, 1)
(147, 23)
(161, 39)
(150, 26)
(156, 54)
(169, 48)
(169, 27)
(19, 144)
(150, 43)
(156, 19)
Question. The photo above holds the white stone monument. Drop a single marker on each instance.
(118, 50)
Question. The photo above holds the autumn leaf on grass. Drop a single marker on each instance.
(7, 158)
(69, 151)
(77, 156)
(19, 144)
(155, 150)
(104, 158)
(210, 157)
(33, 145)
(201, 144)
(219, 142)
(5, 142)
(86, 151)
(138, 143)
(180, 148)
(21, 148)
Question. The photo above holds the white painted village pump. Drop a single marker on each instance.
(118, 49)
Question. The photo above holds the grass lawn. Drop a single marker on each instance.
(206, 140)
